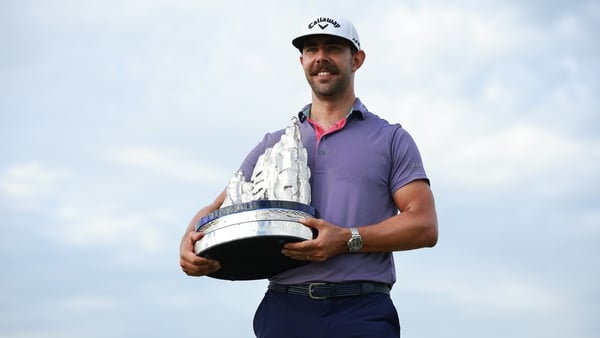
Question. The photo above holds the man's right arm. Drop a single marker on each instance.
(192, 264)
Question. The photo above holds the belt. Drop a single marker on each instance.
(331, 290)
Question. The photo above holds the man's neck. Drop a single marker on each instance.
(328, 112)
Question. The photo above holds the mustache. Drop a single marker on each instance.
(324, 68)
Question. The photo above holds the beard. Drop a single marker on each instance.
(331, 88)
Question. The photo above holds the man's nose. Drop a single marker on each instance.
(321, 56)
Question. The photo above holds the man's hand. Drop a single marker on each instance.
(331, 241)
(192, 264)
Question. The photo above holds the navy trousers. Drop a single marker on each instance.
(282, 315)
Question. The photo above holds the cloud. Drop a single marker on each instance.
(508, 157)
(101, 208)
(27, 185)
(497, 296)
(95, 225)
(167, 163)
(431, 43)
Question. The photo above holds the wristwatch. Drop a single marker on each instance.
(355, 242)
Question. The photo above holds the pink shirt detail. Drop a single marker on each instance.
(320, 132)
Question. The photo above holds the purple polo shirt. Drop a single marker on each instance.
(354, 173)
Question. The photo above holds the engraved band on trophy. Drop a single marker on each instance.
(247, 233)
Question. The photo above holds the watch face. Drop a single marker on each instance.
(355, 244)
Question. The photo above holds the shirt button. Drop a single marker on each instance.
(321, 152)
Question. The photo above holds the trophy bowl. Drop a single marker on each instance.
(247, 238)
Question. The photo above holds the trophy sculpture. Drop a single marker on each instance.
(258, 217)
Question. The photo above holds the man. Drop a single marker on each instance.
(373, 196)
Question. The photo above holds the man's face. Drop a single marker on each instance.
(327, 63)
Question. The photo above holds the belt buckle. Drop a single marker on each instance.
(310, 290)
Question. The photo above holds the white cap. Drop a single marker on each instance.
(332, 25)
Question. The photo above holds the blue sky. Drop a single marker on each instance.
(119, 119)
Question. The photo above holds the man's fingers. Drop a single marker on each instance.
(195, 236)
(308, 221)
(193, 264)
(199, 266)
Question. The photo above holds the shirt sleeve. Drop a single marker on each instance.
(407, 165)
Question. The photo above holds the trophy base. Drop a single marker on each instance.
(252, 258)
(247, 239)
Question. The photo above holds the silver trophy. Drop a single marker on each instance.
(247, 233)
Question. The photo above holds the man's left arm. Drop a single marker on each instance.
(414, 227)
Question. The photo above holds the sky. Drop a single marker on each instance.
(120, 119)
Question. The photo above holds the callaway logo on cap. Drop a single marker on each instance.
(328, 25)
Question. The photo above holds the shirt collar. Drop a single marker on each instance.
(358, 109)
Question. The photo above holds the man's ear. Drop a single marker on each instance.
(357, 59)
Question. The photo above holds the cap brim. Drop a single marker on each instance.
(299, 41)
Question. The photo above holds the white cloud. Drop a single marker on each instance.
(124, 219)
(87, 303)
(168, 164)
(28, 184)
(507, 157)
(503, 296)
(87, 210)
(96, 225)
(426, 42)
(487, 293)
